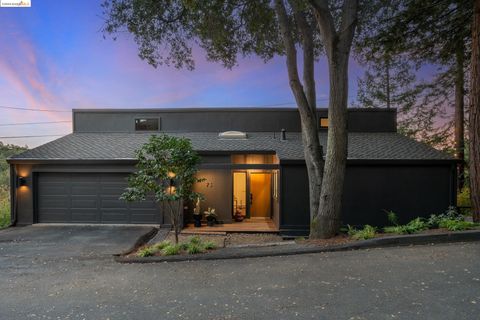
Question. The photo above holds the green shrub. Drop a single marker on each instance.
(392, 217)
(367, 232)
(195, 240)
(416, 225)
(463, 200)
(4, 207)
(171, 250)
(457, 225)
(209, 245)
(194, 248)
(146, 252)
(435, 220)
(160, 245)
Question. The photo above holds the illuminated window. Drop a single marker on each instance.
(323, 123)
(147, 124)
(254, 159)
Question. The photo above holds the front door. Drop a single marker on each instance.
(260, 195)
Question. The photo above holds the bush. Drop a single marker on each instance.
(392, 217)
(435, 220)
(209, 245)
(195, 240)
(161, 245)
(457, 225)
(146, 252)
(194, 248)
(463, 200)
(171, 250)
(367, 232)
(4, 207)
(416, 225)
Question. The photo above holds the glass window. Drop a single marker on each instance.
(147, 124)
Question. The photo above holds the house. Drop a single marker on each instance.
(252, 160)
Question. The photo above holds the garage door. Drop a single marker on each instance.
(90, 198)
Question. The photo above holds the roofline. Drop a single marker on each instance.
(210, 109)
(282, 161)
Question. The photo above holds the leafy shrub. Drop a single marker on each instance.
(463, 200)
(209, 245)
(171, 250)
(4, 207)
(367, 232)
(457, 225)
(194, 248)
(435, 220)
(416, 225)
(392, 217)
(146, 252)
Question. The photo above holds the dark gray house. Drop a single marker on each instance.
(250, 168)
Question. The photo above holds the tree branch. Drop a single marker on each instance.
(325, 24)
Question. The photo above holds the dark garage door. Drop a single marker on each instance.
(90, 198)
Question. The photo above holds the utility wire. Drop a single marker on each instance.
(32, 109)
(45, 135)
(31, 123)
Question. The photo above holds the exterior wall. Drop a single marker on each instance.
(217, 120)
(408, 190)
(217, 190)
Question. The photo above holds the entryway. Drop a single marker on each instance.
(252, 194)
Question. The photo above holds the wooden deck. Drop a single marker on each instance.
(249, 226)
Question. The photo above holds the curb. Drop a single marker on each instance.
(294, 249)
(143, 239)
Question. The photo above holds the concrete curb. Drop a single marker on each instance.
(293, 249)
(143, 239)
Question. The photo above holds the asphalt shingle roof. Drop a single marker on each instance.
(115, 146)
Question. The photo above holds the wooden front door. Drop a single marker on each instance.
(260, 195)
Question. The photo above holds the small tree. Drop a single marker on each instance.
(167, 168)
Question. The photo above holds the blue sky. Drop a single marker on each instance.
(54, 56)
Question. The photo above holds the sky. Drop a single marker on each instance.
(54, 56)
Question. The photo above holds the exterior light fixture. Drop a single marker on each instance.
(171, 174)
(21, 181)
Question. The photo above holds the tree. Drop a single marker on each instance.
(427, 32)
(474, 129)
(166, 168)
(166, 31)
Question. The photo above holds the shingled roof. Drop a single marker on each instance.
(122, 146)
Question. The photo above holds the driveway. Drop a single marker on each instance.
(45, 243)
(420, 282)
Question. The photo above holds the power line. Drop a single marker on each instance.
(32, 109)
(45, 135)
(32, 123)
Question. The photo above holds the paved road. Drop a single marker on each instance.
(423, 282)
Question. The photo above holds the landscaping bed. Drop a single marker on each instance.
(437, 226)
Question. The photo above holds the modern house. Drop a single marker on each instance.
(252, 160)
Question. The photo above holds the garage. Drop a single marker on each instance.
(90, 198)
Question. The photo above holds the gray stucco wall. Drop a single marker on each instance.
(409, 190)
(217, 120)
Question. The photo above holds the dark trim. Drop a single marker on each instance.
(13, 198)
(35, 196)
(374, 162)
(238, 166)
(73, 161)
(84, 170)
(233, 109)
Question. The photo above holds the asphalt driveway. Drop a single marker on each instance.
(52, 242)
(39, 279)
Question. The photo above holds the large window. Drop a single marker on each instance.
(254, 159)
(147, 124)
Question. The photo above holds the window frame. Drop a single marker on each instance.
(138, 119)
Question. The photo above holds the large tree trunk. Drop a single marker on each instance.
(459, 114)
(305, 98)
(337, 44)
(474, 129)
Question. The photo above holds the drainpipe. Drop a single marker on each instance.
(283, 135)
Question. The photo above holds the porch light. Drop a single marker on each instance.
(171, 174)
(21, 181)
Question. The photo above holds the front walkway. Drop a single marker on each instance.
(263, 226)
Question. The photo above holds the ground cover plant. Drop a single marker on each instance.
(194, 245)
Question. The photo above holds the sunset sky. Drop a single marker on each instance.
(54, 56)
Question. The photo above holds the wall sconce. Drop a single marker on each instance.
(21, 181)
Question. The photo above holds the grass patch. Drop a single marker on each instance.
(171, 250)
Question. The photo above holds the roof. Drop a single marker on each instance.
(122, 146)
